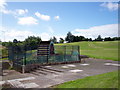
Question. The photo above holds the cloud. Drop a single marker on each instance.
(3, 9)
(110, 6)
(42, 17)
(2, 4)
(110, 30)
(15, 12)
(27, 21)
(14, 34)
(9, 34)
(45, 36)
(57, 18)
(21, 11)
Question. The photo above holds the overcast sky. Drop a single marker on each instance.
(48, 19)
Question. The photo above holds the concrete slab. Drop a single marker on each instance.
(85, 64)
(31, 85)
(64, 66)
(71, 65)
(56, 74)
(112, 64)
(75, 70)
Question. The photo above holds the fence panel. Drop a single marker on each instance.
(22, 56)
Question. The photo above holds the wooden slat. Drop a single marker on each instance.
(42, 54)
(43, 45)
(43, 50)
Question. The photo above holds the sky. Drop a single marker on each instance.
(48, 19)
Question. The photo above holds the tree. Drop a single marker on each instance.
(54, 39)
(99, 38)
(116, 38)
(61, 40)
(81, 38)
(15, 41)
(69, 38)
(90, 39)
(108, 39)
(32, 42)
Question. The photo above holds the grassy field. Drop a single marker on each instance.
(107, 80)
(102, 50)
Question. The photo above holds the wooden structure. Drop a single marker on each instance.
(46, 48)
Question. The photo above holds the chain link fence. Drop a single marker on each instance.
(22, 56)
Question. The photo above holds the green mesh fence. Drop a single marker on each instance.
(22, 56)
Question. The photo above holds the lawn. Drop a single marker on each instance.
(106, 80)
(102, 50)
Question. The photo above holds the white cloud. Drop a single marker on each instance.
(21, 11)
(16, 12)
(43, 17)
(27, 21)
(2, 4)
(110, 30)
(9, 34)
(3, 9)
(110, 6)
(57, 18)
(19, 35)
(45, 36)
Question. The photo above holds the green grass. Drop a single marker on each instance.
(103, 50)
(106, 80)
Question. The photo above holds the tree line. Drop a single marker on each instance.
(29, 43)
(32, 42)
(72, 38)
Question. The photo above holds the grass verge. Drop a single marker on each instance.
(106, 80)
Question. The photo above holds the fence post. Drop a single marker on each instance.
(24, 60)
(79, 53)
(64, 53)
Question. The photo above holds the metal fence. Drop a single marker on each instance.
(22, 57)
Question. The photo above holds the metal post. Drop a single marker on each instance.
(79, 53)
(24, 61)
(72, 50)
(25, 55)
(23, 68)
(72, 54)
(48, 48)
(64, 53)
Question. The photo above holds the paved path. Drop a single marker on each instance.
(48, 76)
